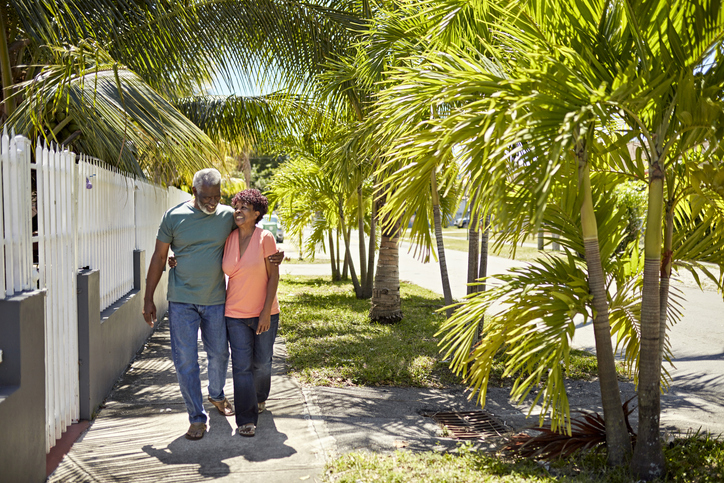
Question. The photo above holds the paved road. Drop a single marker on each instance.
(696, 397)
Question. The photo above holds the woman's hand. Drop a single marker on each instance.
(264, 322)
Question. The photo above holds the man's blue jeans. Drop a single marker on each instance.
(185, 321)
(251, 364)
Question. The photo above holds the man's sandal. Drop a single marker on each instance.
(224, 407)
(247, 430)
(261, 407)
(196, 431)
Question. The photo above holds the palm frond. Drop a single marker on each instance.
(250, 123)
(588, 432)
(120, 118)
(531, 317)
(175, 46)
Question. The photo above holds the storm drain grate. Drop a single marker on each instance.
(470, 424)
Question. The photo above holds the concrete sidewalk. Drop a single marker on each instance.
(139, 435)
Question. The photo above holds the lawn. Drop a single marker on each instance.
(457, 239)
(306, 260)
(695, 458)
(331, 342)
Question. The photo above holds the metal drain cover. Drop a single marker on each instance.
(470, 424)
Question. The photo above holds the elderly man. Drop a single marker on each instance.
(196, 232)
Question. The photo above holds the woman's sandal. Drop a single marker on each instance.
(224, 407)
(196, 431)
(261, 407)
(247, 430)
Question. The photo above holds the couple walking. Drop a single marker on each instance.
(210, 240)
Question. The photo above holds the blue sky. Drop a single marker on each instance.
(241, 87)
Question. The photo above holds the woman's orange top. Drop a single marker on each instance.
(246, 287)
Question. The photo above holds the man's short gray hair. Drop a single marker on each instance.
(207, 177)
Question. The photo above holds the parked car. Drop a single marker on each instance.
(272, 224)
(462, 221)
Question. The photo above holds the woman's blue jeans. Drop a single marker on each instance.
(185, 321)
(251, 364)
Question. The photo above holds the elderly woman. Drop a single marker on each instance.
(252, 310)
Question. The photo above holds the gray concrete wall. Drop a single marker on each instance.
(22, 388)
(108, 341)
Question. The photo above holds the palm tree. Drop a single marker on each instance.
(160, 52)
(437, 223)
(348, 88)
(567, 86)
(675, 110)
(419, 189)
(530, 316)
(110, 112)
(304, 196)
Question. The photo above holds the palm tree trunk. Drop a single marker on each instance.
(353, 275)
(332, 258)
(361, 234)
(369, 283)
(343, 260)
(648, 459)
(541, 239)
(386, 304)
(618, 442)
(345, 270)
(7, 73)
(483, 267)
(473, 244)
(245, 166)
(440, 247)
(666, 274)
(339, 251)
(348, 254)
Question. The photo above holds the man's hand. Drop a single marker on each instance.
(149, 312)
(276, 258)
(153, 275)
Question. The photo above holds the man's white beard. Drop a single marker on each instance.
(203, 210)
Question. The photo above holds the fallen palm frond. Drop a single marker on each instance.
(588, 431)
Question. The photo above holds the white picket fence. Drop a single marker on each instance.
(88, 215)
(150, 206)
(175, 197)
(106, 231)
(15, 210)
(57, 264)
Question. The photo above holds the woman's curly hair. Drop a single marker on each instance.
(254, 198)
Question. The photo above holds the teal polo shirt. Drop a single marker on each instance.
(197, 240)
